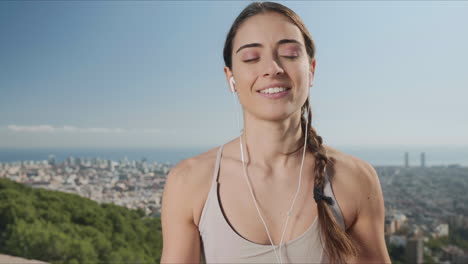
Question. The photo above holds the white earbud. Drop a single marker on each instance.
(234, 94)
(232, 82)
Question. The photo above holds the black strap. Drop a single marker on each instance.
(318, 195)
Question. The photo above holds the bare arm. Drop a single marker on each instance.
(368, 230)
(181, 240)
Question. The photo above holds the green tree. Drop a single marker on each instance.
(63, 228)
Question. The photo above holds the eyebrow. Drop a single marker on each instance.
(283, 41)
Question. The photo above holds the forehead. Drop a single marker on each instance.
(266, 28)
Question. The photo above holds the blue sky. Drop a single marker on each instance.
(150, 74)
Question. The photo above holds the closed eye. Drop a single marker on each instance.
(288, 57)
(251, 60)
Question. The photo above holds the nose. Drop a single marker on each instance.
(273, 68)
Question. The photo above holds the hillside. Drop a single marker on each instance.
(60, 227)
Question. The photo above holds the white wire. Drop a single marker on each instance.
(278, 258)
(300, 180)
(237, 112)
(250, 187)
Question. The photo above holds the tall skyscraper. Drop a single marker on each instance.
(423, 159)
(406, 160)
(71, 161)
(51, 160)
(414, 250)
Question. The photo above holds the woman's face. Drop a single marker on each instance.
(277, 55)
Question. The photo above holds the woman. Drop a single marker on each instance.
(266, 196)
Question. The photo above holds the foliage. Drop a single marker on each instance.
(457, 237)
(397, 253)
(64, 228)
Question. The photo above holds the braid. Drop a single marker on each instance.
(314, 144)
(337, 244)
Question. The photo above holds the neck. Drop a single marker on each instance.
(273, 144)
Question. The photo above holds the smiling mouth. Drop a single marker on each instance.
(274, 90)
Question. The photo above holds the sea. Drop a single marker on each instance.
(375, 155)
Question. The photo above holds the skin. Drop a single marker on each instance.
(273, 155)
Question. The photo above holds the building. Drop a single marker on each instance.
(399, 241)
(415, 250)
(441, 230)
(389, 226)
(399, 219)
(406, 160)
(454, 254)
(51, 160)
(423, 159)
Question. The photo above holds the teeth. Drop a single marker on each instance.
(273, 90)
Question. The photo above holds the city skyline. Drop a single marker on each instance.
(134, 74)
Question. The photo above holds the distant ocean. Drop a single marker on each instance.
(377, 156)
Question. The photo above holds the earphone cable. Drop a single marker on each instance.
(252, 193)
(294, 200)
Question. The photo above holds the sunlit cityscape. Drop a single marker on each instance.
(423, 203)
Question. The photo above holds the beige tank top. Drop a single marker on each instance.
(222, 244)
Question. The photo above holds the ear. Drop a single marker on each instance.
(229, 74)
(312, 71)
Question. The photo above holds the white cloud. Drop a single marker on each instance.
(40, 128)
(70, 128)
(102, 130)
(73, 129)
(151, 130)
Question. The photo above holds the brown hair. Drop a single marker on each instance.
(338, 245)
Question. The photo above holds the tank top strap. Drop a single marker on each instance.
(211, 200)
(216, 170)
(327, 177)
(335, 208)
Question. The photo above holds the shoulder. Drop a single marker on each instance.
(359, 188)
(354, 181)
(192, 172)
(351, 167)
(185, 185)
(189, 180)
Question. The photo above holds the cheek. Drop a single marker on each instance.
(245, 83)
(248, 75)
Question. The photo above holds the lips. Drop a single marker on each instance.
(275, 96)
(273, 85)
